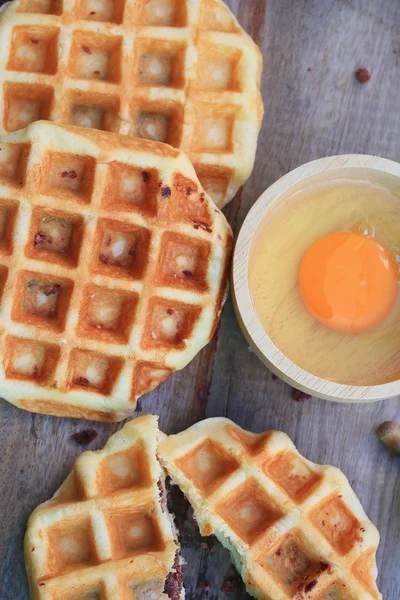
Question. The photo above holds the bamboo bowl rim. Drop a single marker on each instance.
(250, 324)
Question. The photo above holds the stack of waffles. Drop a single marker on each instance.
(177, 71)
(296, 530)
(113, 269)
(107, 534)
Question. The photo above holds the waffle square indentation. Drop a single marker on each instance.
(337, 524)
(183, 261)
(249, 511)
(131, 188)
(160, 63)
(215, 181)
(34, 50)
(93, 371)
(363, 570)
(79, 592)
(208, 465)
(187, 203)
(95, 56)
(94, 111)
(125, 470)
(8, 213)
(146, 590)
(217, 17)
(169, 323)
(133, 533)
(55, 236)
(44, 7)
(147, 376)
(69, 175)
(337, 592)
(213, 131)
(290, 563)
(13, 163)
(159, 122)
(42, 300)
(293, 475)
(107, 314)
(71, 545)
(110, 11)
(254, 443)
(30, 360)
(163, 13)
(25, 103)
(217, 67)
(121, 249)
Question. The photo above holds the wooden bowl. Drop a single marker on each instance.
(383, 172)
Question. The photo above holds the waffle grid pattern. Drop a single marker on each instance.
(105, 535)
(182, 72)
(297, 530)
(107, 288)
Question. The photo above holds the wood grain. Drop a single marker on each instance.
(309, 114)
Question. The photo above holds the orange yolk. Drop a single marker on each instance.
(348, 281)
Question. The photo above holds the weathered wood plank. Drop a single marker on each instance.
(309, 114)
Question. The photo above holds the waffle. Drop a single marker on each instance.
(113, 269)
(296, 530)
(106, 534)
(177, 71)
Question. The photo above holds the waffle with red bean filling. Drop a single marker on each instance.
(296, 529)
(113, 269)
(177, 71)
(106, 534)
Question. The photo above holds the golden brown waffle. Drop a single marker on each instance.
(106, 534)
(177, 71)
(113, 269)
(296, 529)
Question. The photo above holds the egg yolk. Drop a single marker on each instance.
(348, 281)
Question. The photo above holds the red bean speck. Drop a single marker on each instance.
(205, 585)
(84, 437)
(300, 396)
(228, 587)
(86, 49)
(34, 41)
(310, 586)
(363, 75)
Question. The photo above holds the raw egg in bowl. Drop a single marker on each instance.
(316, 275)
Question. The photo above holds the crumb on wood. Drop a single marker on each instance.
(299, 396)
(84, 437)
(363, 75)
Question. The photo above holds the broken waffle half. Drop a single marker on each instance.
(296, 530)
(177, 71)
(106, 534)
(113, 269)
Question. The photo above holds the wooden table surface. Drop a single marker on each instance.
(314, 107)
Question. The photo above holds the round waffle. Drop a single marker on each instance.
(106, 534)
(182, 72)
(296, 529)
(113, 269)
